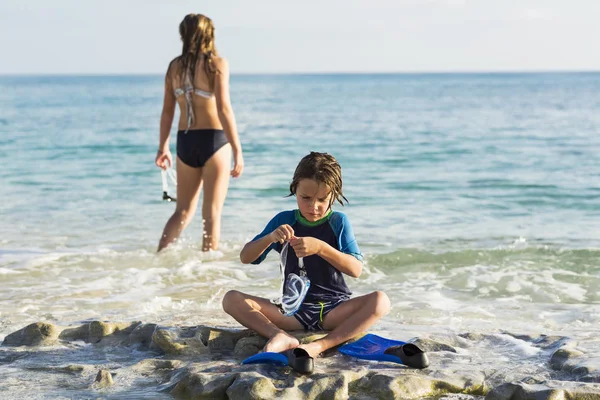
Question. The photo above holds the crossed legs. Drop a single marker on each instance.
(345, 321)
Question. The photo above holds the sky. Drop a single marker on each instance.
(308, 36)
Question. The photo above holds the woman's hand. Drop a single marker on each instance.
(306, 246)
(238, 164)
(282, 234)
(164, 159)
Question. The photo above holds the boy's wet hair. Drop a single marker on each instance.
(322, 168)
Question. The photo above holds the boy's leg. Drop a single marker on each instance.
(350, 319)
(262, 316)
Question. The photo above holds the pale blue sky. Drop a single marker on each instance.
(263, 36)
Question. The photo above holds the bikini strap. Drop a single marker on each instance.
(188, 91)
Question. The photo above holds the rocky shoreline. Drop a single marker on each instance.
(203, 362)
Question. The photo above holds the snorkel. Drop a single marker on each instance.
(166, 174)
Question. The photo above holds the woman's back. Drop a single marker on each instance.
(197, 100)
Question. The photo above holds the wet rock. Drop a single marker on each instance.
(545, 341)
(103, 379)
(252, 385)
(96, 331)
(550, 391)
(175, 341)
(67, 369)
(217, 339)
(474, 337)
(152, 364)
(162, 370)
(141, 335)
(562, 359)
(103, 330)
(284, 383)
(328, 386)
(411, 385)
(197, 385)
(74, 334)
(37, 334)
(72, 369)
(430, 345)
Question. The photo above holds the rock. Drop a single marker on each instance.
(521, 391)
(248, 346)
(141, 335)
(561, 359)
(545, 341)
(429, 345)
(197, 385)
(75, 334)
(217, 339)
(103, 330)
(151, 364)
(96, 331)
(104, 379)
(413, 386)
(175, 341)
(68, 369)
(37, 334)
(252, 385)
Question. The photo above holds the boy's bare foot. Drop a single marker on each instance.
(314, 349)
(282, 341)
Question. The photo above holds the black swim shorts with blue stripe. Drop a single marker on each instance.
(311, 315)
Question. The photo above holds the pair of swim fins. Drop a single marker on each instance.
(368, 347)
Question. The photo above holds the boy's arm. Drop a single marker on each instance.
(253, 250)
(347, 260)
(277, 230)
(345, 263)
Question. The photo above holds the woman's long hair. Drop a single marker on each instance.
(198, 36)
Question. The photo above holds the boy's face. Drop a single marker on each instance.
(313, 199)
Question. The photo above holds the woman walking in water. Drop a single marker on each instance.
(198, 80)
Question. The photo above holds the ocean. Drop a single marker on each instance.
(475, 199)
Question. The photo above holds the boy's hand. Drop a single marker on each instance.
(282, 234)
(306, 246)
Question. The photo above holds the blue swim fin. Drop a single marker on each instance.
(377, 348)
(297, 358)
(267, 358)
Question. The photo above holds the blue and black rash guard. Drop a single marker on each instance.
(326, 282)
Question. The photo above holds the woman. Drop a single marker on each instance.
(198, 80)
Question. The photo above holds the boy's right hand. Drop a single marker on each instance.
(282, 234)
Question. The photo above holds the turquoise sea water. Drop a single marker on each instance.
(474, 197)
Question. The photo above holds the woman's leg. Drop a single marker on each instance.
(216, 183)
(189, 182)
(350, 319)
(263, 317)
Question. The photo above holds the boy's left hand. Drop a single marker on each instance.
(306, 246)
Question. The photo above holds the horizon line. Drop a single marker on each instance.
(315, 73)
